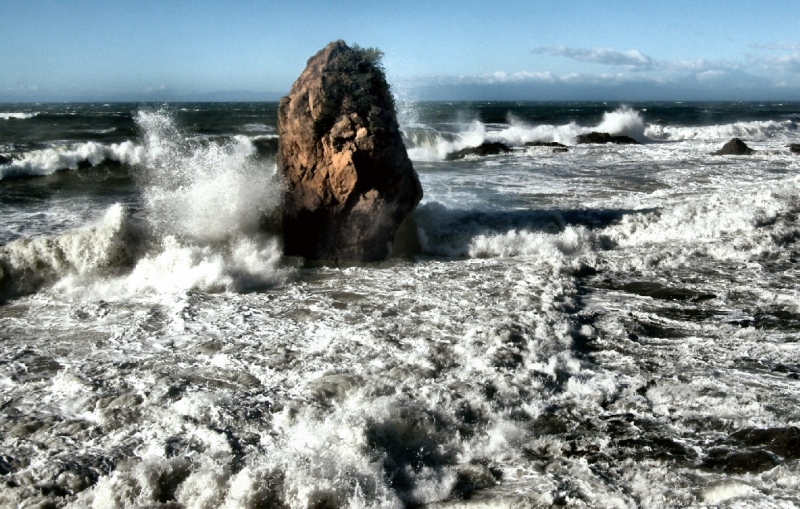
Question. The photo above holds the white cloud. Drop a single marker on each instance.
(786, 63)
(517, 77)
(605, 56)
(159, 88)
(23, 88)
(755, 73)
(777, 46)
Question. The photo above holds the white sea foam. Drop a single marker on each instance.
(17, 115)
(99, 249)
(426, 144)
(756, 130)
(551, 248)
(486, 368)
(204, 204)
(430, 145)
(50, 160)
(625, 122)
(725, 226)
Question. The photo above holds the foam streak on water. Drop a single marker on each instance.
(604, 327)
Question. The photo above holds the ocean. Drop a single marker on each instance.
(610, 326)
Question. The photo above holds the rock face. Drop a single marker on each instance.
(735, 147)
(595, 137)
(795, 147)
(349, 182)
(484, 149)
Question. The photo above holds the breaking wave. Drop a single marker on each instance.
(50, 160)
(204, 208)
(756, 130)
(17, 116)
(100, 249)
(426, 143)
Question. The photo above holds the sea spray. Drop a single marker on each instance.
(204, 205)
(101, 249)
(71, 157)
(593, 328)
(206, 202)
(428, 144)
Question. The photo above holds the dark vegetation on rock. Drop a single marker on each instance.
(354, 82)
(596, 137)
(734, 147)
(484, 149)
(349, 182)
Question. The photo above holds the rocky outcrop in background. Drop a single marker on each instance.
(596, 137)
(349, 181)
(735, 147)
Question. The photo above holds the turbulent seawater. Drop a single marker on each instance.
(614, 326)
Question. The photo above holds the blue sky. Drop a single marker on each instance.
(170, 49)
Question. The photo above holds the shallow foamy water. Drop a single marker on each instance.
(606, 327)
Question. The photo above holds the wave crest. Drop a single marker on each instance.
(50, 160)
(17, 115)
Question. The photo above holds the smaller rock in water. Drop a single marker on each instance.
(595, 137)
(740, 461)
(544, 144)
(484, 149)
(795, 147)
(735, 147)
(782, 441)
(560, 150)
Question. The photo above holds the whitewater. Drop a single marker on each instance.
(610, 326)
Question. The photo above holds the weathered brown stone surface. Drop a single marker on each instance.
(349, 181)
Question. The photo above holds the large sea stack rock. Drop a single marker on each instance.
(735, 147)
(349, 182)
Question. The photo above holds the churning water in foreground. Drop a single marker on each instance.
(614, 326)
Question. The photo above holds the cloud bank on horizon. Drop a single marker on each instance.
(631, 74)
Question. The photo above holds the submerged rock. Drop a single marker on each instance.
(734, 147)
(754, 450)
(782, 441)
(558, 148)
(595, 137)
(795, 147)
(349, 181)
(484, 149)
(544, 144)
(740, 461)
